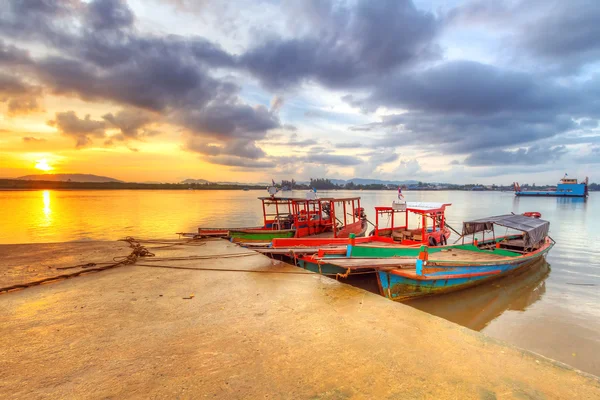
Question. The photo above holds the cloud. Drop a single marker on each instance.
(350, 145)
(345, 44)
(551, 33)
(243, 148)
(130, 122)
(31, 139)
(333, 159)
(232, 161)
(21, 97)
(225, 121)
(468, 87)
(533, 155)
(23, 105)
(11, 55)
(103, 57)
(292, 141)
(276, 104)
(460, 107)
(109, 14)
(81, 129)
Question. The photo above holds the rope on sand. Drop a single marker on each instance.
(137, 252)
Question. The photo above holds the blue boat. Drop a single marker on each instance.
(566, 188)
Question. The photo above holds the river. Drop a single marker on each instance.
(552, 309)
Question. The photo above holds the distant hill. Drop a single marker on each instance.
(196, 181)
(68, 177)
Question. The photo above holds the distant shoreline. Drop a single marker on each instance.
(17, 184)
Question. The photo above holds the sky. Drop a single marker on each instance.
(457, 91)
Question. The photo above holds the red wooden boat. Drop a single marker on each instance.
(286, 217)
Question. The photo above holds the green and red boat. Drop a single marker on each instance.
(289, 217)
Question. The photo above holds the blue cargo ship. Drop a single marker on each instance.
(566, 188)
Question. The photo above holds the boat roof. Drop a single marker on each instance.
(303, 199)
(535, 229)
(419, 207)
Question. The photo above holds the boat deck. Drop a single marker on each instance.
(465, 255)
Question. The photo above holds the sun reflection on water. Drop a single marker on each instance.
(46, 199)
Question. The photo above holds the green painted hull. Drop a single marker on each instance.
(251, 236)
(369, 251)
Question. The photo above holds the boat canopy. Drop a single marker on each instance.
(420, 206)
(535, 229)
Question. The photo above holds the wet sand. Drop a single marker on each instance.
(146, 331)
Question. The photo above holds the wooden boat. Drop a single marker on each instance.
(287, 217)
(405, 272)
(436, 232)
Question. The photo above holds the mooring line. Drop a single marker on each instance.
(225, 269)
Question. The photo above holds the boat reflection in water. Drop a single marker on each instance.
(475, 308)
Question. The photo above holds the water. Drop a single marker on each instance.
(552, 309)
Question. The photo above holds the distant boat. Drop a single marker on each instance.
(566, 188)
(246, 189)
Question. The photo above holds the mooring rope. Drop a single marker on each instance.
(225, 269)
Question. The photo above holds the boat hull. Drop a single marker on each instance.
(548, 194)
(444, 277)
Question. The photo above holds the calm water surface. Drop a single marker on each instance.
(552, 309)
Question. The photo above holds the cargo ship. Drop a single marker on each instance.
(567, 187)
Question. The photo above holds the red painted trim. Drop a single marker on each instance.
(315, 242)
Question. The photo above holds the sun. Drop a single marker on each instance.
(43, 165)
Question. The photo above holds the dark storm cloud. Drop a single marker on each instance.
(523, 156)
(81, 129)
(346, 44)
